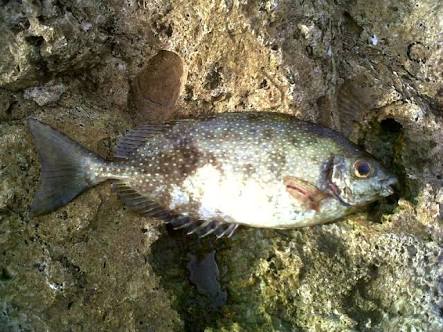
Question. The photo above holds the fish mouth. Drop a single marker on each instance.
(387, 186)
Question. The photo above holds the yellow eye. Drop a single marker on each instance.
(362, 169)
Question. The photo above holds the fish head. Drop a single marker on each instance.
(359, 179)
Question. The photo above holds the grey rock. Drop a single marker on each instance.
(46, 94)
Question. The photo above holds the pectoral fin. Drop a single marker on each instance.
(304, 192)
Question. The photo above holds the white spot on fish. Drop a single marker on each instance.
(158, 190)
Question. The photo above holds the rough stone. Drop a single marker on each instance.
(44, 95)
(158, 86)
(93, 265)
(40, 39)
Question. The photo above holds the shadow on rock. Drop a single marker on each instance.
(188, 269)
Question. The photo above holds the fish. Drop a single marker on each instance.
(211, 174)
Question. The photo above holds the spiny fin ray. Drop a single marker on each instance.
(139, 203)
(129, 143)
(136, 137)
(203, 227)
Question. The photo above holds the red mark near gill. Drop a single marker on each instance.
(305, 192)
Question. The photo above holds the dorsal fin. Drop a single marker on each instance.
(129, 143)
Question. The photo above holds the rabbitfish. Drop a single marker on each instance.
(210, 175)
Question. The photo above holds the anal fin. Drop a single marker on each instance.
(140, 203)
(203, 228)
(145, 206)
(228, 231)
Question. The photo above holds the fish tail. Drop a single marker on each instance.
(67, 168)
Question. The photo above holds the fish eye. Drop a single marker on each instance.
(362, 169)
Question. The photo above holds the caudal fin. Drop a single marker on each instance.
(65, 168)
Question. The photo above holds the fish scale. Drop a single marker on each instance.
(211, 174)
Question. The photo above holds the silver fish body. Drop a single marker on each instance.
(256, 169)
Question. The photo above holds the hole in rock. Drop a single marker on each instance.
(391, 125)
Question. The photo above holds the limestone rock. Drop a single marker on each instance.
(94, 265)
(44, 95)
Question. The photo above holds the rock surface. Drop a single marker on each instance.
(93, 265)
